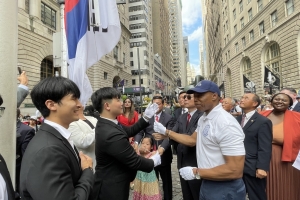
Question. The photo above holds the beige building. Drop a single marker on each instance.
(253, 43)
(37, 21)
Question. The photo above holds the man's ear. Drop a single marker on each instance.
(51, 105)
(107, 106)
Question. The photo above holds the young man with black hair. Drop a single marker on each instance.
(117, 162)
(52, 168)
(162, 146)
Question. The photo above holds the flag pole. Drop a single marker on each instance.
(64, 67)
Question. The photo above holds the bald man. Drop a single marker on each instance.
(228, 104)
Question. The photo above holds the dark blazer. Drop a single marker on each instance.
(297, 107)
(186, 156)
(258, 143)
(177, 113)
(52, 170)
(117, 162)
(24, 135)
(5, 174)
(166, 120)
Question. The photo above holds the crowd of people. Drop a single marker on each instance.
(226, 148)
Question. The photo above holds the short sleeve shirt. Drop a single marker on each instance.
(218, 135)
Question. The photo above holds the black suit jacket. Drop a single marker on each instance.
(5, 174)
(166, 120)
(177, 113)
(51, 169)
(258, 143)
(297, 107)
(186, 156)
(25, 134)
(117, 162)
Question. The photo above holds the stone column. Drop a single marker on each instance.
(35, 8)
(8, 81)
(21, 4)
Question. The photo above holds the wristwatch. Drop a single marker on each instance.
(197, 175)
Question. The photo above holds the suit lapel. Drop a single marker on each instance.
(192, 121)
(250, 121)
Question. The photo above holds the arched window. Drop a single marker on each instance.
(47, 69)
(272, 58)
(246, 67)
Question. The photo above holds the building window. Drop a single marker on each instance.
(247, 68)
(241, 6)
(226, 25)
(133, 82)
(124, 58)
(48, 16)
(259, 5)
(105, 75)
(131, 64)
(228, 54)
(142, 81)
(242, 22)
(274, 18)
(47, 69)
(236, 47)
(289, 6)
(131, 54)
(126, 82)
(272, 57)
(235, 29)
(27, 6)
(116, 52)
(261, 28)
(250, 14)
(244, 42)
(251, 36)
(234, 14)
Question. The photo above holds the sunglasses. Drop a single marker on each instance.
(189, 97)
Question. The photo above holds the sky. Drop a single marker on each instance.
(192, 27)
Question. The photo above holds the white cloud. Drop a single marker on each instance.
(196, 35)
(191, 12)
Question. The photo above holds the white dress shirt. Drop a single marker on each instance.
(248, 116)
(192, 113)
(158, 115)
(3, 189)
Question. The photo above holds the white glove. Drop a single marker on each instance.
(151, 110)
(187, 173)
(159, 128)
(156, 158)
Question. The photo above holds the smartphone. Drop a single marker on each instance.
(20, 71)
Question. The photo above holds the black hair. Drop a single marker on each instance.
(180, 93)
(90, 111)
(256, 98)
(104, 94)
(1, 100)
(18, 113)
(290, 98)
(55, 89)
(158, 97)
(151, 140)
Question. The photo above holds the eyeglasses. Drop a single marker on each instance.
(189, 97)
(2, 111)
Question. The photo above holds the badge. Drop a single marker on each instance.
(205, 130)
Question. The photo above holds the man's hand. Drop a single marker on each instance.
(86, 161)
(142, 150)
(159, 128)
(161, 150)
(261, 173)
(158, 136)
(187, 173)
(151, 110)
(23, 79)
(156, 159)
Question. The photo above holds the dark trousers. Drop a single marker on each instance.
(166, 177)
(225, 190)
(255, 187)
(190, 189)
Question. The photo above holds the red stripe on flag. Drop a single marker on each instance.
(70, 4)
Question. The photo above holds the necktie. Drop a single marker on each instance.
(156, 118)
(243, 120)
(188, 119)
(77, 154)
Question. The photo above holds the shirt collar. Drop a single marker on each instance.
(112, 120)
(159, 114)
(192, 113)
(249, 114)
(62, 130)
(214, 112)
